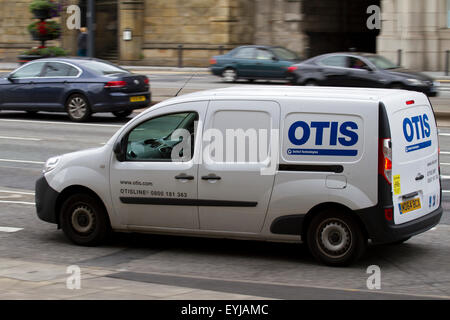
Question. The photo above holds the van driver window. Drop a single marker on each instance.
(152, 140)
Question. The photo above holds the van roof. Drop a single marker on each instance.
(284, 91)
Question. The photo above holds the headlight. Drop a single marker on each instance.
(51, 164)
(415, 82)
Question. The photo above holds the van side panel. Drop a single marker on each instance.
(328, 154)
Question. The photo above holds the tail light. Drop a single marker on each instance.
(292, 68)
(147, 81)
(115, 84)
(385, 159)
(388, 214)
(212, 61)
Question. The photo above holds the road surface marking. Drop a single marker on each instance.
(445, 177)
(19, 138)
(64, 123)
(17, 202)
(9, 229)
(444, 152)
(444, 134)
(21, 161)
(17, 192)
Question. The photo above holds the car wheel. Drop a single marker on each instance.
(396, 86)
(84, 220)
(122, 114)
(335, 239)
(229, 75)
(311, 83)
(78, 108)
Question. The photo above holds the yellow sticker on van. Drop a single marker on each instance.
(397, 188)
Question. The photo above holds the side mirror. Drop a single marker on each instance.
(119, 150)
(10, 78)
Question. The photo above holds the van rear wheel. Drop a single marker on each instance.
(335, 239)
(84, 220)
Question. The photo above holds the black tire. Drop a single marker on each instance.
(311, 83)
(396, 86)
(229, 75)
(84, 220)
(78, 109)
(335, 238)
(122, 114)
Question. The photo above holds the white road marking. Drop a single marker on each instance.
(20, 138)
(9, 229)
(444, 152)
(64, 123)
(445, 177)
(18, 202)
(17, 192)
(444, 134)
(445, 191)
(21, 161)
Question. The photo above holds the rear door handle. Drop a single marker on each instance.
(420, 177)
(211, 178)
(410, 195)
(184, 177)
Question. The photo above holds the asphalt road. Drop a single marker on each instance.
(416, 269)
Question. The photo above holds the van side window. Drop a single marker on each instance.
(244, 134)
(152, 140)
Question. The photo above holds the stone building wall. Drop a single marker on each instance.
(200, 26)
(14, 37)
(419, 29)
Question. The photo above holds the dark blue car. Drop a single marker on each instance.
(79, 86)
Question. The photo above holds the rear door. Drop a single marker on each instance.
(415, 162)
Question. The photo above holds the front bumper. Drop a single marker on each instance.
(381, 231)
(46, 198)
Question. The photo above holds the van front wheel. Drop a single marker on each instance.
(84, 220)
(335, 238)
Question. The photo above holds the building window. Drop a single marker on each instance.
(448, 13)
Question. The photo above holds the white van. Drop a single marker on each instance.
(332, 167)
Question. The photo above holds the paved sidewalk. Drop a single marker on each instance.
(22, 280)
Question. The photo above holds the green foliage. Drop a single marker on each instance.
(42, 5)
(46, 52)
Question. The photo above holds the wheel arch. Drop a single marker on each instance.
(77, 189)
(326, 206)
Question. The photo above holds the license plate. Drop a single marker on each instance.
(410, 205)
(137, 99)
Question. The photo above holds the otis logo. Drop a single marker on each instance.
(417, 128)
(323, 133)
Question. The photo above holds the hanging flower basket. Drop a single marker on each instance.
(44, 30)
(43, 9)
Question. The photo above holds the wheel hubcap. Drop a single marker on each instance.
(77, 108)
(83, 219)
(229, 75)
(334, 238)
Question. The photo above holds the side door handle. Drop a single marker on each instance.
(184, 177)
(211, 178)
(420, 177)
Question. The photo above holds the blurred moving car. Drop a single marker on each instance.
(254, 62)
(79, 86)
(359, 70)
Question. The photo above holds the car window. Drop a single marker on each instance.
(335, 61)
(102, 68)
(356, 63)
(262, 54)
(382, 62)
(56, 69)
(32, 70)
(152, 140)
(245, 53)
(285, 54)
